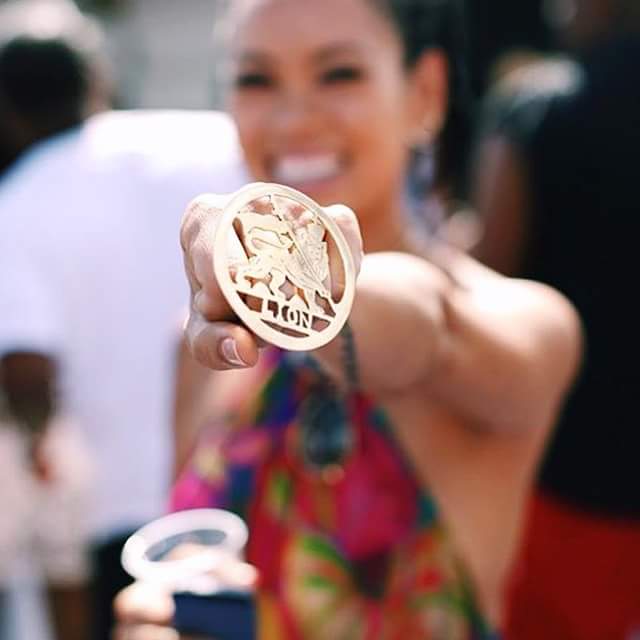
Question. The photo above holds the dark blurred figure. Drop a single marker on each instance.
(498, 26)
(557, 178)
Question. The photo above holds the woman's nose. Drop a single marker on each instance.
(296, 114)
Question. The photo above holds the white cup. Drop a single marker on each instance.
(181, 551)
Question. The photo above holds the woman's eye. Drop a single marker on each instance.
(342, 74)
(252, 80)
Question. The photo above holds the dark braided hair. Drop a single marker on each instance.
(440, 24)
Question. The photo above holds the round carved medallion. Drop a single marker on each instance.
(284, 266)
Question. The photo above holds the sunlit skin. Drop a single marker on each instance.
(334, 95)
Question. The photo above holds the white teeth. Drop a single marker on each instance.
(294, 169)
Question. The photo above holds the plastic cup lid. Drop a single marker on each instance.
(150, 553)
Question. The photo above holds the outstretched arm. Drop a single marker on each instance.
(497, 351)
(28, 380)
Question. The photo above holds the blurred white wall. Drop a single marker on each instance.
(164, 54)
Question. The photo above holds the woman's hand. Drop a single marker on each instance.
(146, 612)
(215, 337)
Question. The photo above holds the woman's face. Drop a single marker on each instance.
(320, 97)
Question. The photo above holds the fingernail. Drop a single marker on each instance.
(229, 351)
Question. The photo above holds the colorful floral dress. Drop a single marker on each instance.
(355, 554)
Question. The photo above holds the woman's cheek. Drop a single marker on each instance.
(252, 132)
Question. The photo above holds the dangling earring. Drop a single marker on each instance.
(420, 137)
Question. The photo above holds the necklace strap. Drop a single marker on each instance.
(350, 359)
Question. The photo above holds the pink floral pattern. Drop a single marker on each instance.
(358, 554)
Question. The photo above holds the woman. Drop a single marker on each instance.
(460, 372)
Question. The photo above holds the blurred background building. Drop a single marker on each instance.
(165, 54)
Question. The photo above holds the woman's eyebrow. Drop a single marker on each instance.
(252, 56)
(321, 55)
(337, 49)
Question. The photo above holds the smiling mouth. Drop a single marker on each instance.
(305, 169)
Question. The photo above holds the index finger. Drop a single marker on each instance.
(213, 340)
(197, 233)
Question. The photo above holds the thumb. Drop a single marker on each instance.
(347, 223)
(144, 603)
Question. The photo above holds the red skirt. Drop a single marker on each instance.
(577, 577)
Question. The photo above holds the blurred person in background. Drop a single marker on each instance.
(407, 528)
(51, 79)
(557, 182)
(45, 495)
(54, 73)
(76, 195)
